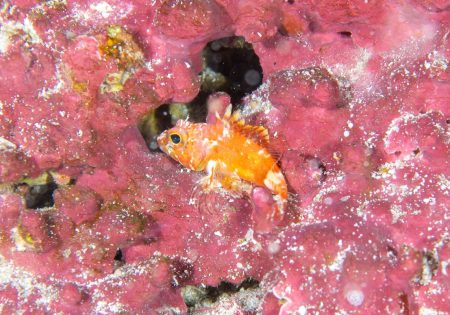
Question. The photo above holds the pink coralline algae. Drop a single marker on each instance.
(355, 95)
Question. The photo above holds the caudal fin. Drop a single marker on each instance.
(276, 183)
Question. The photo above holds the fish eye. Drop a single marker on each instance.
(175, 138)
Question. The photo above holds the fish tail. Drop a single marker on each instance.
(276, 183)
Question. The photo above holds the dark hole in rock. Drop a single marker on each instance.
(416, 151)
(404, 304)
(323, 172)
(213, 293)
(392, 251)
(153, 123)
(200, 296)
(230, 65)
(345, 34)
(392, 254)
(119, 260)
(430, 262)
(282, 30)
(181, 271)
(313, 26)
(430, 266)
(40, 196)
(119, 255)
(290, 1)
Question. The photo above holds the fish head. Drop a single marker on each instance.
(184, 143)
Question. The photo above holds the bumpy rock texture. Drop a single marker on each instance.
(355, 92)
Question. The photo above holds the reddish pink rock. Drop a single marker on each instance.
(355, 98)
(307, 88)
(419, 136)
(11, 205)
(152, 285)
(197, 19)
(264, 206)
(78, 203)
(217, 105)
(36, 231)
(335, 276)
(15, 165)
(203, 236)
(303, 173)
(265, 16)
(71, 294)
(38, 66)
(124, 226)
(146, 86)
(86, 67)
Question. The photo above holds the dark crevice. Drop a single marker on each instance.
(430, 262)
(119, 255)
(323, 172)
(430, 266)
(37, 192)
(236, 61)
(230, 65)
(282, 30)
(313, 27)
(181, 271)
(392, 254)
(404, 303)
(119, 260)
(319, 168)
(392, 251)
(345, 34)
(40, 196)
(195, 297)
(162, 116)
(213, 293)
(153, 123)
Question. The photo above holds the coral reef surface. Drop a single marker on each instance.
(94, 219)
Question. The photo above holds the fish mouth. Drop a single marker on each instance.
(167, 148)
(163, 143)
(162, 140)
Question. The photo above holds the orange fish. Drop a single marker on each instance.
(234, 155)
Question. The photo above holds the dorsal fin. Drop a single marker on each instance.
(227, 114)
(257, 133)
